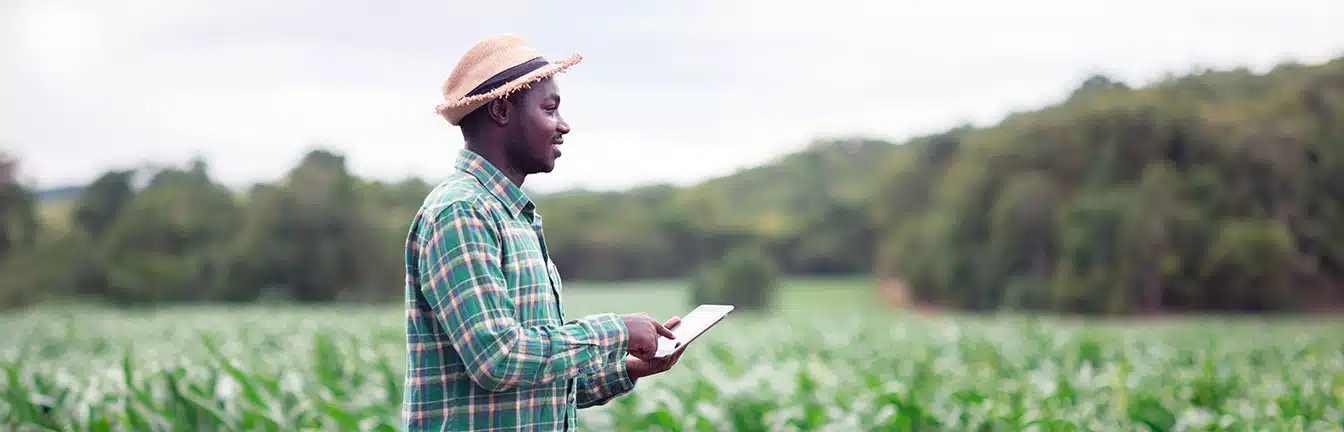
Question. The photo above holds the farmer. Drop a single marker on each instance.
(488, 345)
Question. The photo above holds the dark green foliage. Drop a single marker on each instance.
(98, 206)
(320, 235)
(168, 244)
(18, 217)
(18, 235)
(745, 278)
(1201, 193)
(1214, 191)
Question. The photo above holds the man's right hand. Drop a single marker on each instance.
(644, 332)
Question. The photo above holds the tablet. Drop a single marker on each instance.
(692, 326)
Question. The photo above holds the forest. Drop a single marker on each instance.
(1219, 190)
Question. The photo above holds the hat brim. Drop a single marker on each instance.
(454, 111)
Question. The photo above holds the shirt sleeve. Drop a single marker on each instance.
(464, 284)
(611, 382)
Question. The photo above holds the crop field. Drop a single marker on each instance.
(826, 360)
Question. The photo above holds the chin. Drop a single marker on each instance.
(542, 168)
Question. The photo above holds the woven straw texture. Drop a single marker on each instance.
(485, 59)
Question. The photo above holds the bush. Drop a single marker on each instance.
(746, 278)
(62, 267)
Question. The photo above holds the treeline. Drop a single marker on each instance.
(1215, 191)
(317, 235)
(1218, 191)
(320, 234)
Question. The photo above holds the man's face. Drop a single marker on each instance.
(536, 128)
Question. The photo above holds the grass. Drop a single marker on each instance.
(827, 359)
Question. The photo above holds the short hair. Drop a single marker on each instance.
(471, 122)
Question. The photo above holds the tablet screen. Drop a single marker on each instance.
(692, 326)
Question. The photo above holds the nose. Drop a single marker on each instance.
(562, 126)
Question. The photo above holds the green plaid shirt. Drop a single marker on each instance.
(488, 347)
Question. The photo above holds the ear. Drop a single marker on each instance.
(499, 111)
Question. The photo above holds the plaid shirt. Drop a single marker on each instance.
(488, 347)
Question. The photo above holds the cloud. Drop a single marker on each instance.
(667, 92)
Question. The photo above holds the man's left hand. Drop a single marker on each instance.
(638, 368)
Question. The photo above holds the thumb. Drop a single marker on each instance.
(663, 330)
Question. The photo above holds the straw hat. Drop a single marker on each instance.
(494, 68)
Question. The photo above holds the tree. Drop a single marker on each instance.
(18, 236)
(171, 241)
(98, 205)
(745, 278)
(1217, 191)
(306, 235)
(18, 210)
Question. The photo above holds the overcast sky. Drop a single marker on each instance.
(668, 91)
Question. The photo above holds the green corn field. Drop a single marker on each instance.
(314, 369)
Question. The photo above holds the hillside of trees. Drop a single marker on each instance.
(1222, 190)
(1219, 191)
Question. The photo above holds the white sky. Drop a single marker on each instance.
(669, 91)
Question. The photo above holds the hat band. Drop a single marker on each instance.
(507, 75)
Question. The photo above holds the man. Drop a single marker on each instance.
(488, 347)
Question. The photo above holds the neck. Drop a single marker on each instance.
(496, 155)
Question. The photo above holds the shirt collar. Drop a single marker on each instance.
(494, 180)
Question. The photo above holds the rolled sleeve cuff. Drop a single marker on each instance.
(612, 337)
(611, 382)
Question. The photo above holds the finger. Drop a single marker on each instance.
(644, 354)
(672, 323)
(664, 331)
(670, 361)
(643, 350)
(677, 354)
